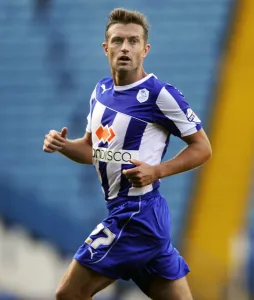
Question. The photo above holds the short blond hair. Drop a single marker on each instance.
(125, 16)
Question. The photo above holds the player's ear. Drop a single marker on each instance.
(146, 50)
(105, 47)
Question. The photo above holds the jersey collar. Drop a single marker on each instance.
(129, 86)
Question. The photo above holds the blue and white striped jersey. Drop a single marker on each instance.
(134, 122)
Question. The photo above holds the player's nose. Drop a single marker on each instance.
(125, 47)
(124, 50)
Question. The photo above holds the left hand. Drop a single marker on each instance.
(141, 175)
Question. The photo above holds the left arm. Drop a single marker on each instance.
(194, 155)
(173, 112)
(197, 152)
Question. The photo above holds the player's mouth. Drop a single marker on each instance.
(124, 58)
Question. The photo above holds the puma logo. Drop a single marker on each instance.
(92, 253)
(104, 89)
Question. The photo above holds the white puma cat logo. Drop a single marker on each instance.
(103, 86)
(92, 253)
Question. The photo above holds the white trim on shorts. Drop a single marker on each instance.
(119, 235)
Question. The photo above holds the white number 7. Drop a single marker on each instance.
(102, 240)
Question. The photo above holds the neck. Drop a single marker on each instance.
(125, 78)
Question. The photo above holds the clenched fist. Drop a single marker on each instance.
(141, 175)
(55, 141)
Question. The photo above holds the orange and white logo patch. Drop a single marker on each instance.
(105, 134)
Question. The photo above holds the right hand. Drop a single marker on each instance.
(55, 141)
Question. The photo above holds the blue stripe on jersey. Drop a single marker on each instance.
(93, 102)
(107, 119)
(103, 172)
(166, 122)
(156, 184)
(134, 132)
(166, 146)
(198, 126)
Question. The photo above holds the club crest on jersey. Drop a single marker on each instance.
(142, 95)
(191, 116)
(105, 134)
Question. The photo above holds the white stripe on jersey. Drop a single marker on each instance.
(93, 96)
(120, 126)
(150, 155)
(170, 108)
(100, 109)
(97, 117)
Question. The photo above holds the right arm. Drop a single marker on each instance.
(78, 150)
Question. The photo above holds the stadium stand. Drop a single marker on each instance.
(50, 61)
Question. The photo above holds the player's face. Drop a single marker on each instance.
(125, 47)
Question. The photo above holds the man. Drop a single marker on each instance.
(131, 118)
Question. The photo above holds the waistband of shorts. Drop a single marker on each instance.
(120, 200)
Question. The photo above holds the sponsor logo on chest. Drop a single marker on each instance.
(114, 156)
(105, 134)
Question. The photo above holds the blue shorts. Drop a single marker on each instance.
(133, 242)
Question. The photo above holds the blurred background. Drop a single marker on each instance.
(50, 60)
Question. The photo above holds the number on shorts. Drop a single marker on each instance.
(105, 241)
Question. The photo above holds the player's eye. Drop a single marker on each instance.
(133, 41)
(117, 40)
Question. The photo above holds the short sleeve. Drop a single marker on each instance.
(88, 126)
(174, 113)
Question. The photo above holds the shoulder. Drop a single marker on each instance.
(104, 83)
(151, 86)
(105, 80)
(163, 85)
(166, 91)
(101, 84)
